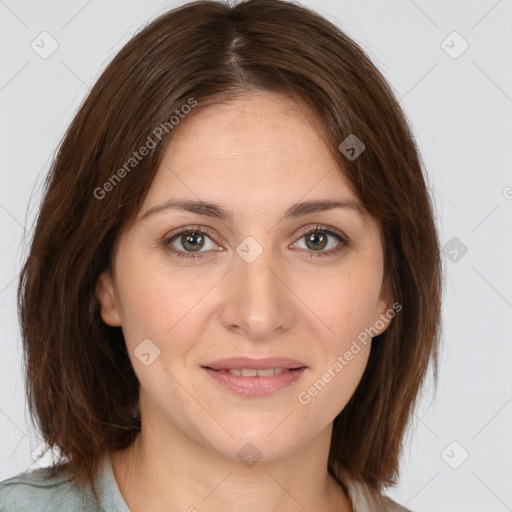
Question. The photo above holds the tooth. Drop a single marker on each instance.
(266, 373)
(252, 372)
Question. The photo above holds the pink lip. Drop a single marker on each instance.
(239, 363)
(255, 386)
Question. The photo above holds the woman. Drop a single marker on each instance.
(233, 291)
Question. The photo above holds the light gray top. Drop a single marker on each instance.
(37, 491)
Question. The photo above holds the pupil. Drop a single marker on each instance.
(189, 241)
(315, 239)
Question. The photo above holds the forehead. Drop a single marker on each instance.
(248, 125)
(263, 143)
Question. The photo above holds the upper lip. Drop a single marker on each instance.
(258, 364)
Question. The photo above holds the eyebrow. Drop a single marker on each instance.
(218, 211)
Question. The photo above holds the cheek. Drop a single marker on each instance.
(145, 307)
(345, 303)
(168, 310)
(149, 305)
(329, 390)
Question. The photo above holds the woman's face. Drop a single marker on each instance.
(262, 283)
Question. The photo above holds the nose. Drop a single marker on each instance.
(258, 303)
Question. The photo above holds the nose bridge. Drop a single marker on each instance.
(255, 266)
(256, 300)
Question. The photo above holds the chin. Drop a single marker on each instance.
(260, 442)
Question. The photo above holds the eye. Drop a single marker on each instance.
(189, 240)
(317, 239)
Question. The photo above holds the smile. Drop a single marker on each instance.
(252, 382)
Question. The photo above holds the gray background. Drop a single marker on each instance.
(461, 112)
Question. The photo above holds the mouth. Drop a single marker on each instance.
(252, 377)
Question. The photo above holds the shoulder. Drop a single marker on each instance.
(363, 498)
(392, 506)
(43, 490)
(376, 503)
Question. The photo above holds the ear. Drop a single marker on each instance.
(105, 296)
(384, 311)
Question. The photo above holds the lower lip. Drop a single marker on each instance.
(255, 386)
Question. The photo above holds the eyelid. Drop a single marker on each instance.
(191, 228)
(321, 227)
(303, 231)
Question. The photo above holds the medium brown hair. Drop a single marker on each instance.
(81, 388)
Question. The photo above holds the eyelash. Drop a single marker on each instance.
(344, 242)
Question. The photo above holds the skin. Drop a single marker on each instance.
(256, 155)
